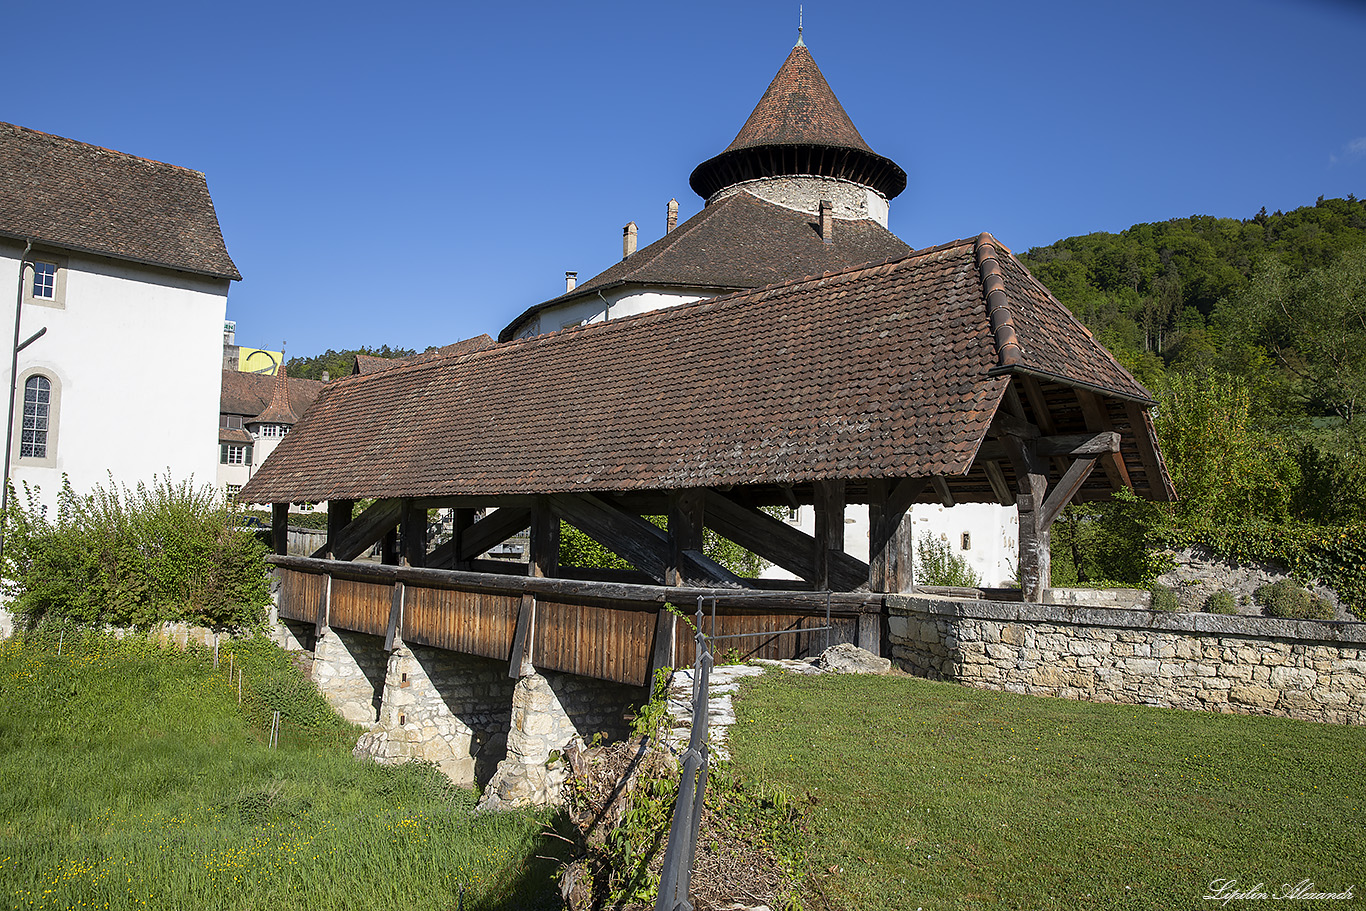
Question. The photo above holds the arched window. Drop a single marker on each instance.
(37, 412)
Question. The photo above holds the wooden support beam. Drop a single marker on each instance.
(941, 487)
(779, 543)
(1059, 446)
(490, 531)
(699, 569)
(1097, 418)
(666, 632)
(870, 633)
(324, 611)
(520, 655)
(890, 533)
(414, 525)
(829, 529)
(1031, 479)
(279, 528)
(640, 543)
(395, 616)
(687, 520)
(1141, 427)
(339, 513)
(348, 538)
(543, 555)
(1066, 488)
(997, 479)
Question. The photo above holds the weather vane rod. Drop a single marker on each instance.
(799, 24)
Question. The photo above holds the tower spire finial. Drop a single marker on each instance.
(800, 42)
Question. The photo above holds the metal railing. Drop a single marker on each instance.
(676, 876)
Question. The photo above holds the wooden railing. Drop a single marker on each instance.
(608, 630)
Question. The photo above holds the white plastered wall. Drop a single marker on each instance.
(136, 354)
(593, 307)
(992, 530)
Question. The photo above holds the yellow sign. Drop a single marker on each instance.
(258, 360)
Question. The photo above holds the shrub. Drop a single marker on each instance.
(1164, 598)
(133, 558)
(1290, 600)
(1221, 602)
(936, 564)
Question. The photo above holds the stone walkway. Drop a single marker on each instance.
(721, 713)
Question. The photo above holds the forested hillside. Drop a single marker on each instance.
(1252, 336)
(338, 363)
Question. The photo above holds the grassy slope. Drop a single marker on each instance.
(930, 795)
(133, 780)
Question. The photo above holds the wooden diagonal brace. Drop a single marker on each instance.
(364, 530)
(1066, 488)
(780, 543)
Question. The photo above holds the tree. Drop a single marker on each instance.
(339, 363)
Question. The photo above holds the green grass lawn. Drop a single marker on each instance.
(132, 779)
(936, 796)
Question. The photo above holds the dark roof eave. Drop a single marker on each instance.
(234, 275)
(1022, 370)
(754, 162)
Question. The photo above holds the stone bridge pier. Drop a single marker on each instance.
(463, 713)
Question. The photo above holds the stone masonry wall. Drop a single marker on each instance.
(1294, 668)
(548, 713)
(443, 707)
(349, 669)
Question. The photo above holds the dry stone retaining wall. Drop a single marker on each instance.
(1295, 668)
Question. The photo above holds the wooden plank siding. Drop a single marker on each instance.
(592, 641)
(470, 622)
(301, 595)
(362, 607)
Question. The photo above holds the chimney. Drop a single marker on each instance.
(827, 221)
(327, 377)
(672, 221)
(628, 239)
(571, 279)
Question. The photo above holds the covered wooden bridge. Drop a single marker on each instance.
(949, 375)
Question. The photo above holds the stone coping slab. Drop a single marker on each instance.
(1335, 631)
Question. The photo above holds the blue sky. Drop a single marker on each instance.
(417, 174)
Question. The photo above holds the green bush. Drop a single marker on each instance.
(937, 565)
(124, 557)
(1290, 600)
(1164, 598)
(1221, 602)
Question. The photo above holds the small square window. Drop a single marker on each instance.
(232, 492)
(45, 281)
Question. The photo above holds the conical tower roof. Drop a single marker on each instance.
(798, 127)
(279, 410)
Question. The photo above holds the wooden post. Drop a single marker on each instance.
(891, 535)
(279, 527)
(686, 523)
(543, 557)
(462, 519)
(1031, 479)
(829, 528)
(338, 517)
(414, 524)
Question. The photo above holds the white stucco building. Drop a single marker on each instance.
(122, 262)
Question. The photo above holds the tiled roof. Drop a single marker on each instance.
(366, 363)
(799, 109)
(279, 410)
(798, 127)
(234, 435)
(71, 195)
(738, 243)
(884, 370)
(249, 394)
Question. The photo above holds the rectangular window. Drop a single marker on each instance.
(44, 281)
(234, 454)
(232, 492)
(230, 421)
(967, 541)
